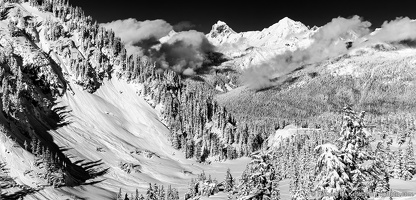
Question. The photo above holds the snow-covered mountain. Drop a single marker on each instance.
(284, 34)
(250, 48)
(254, 47)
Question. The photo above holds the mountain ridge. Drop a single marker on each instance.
(251, 48)
(268, 37)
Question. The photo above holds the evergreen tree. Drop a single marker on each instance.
(354, 152)
(410, 160)
(275, 195)
(6, 97)
(161, 193)
(192, 189)
(38, 149)
(229, 181)
(46, 160)
(406, 175)
(175, 194)
(401, 138)
(169, 194)
(343, 173)
(119, 195)
(175, 140)
(399, 169)
(259, 180)
(330, 172)
(33, 145)
(150, 194)
(383, 185)
(137, 196)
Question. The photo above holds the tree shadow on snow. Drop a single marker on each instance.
(94, 170)
(24, 191)
(7, 182)
(44, 126)
(78, 172)
(39, 117)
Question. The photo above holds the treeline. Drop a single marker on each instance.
(199, 126)
(153, 192)
(341, 161)
(204, 186)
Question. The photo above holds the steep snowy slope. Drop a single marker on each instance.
(109, 129)
(106, 136)
(116, 127)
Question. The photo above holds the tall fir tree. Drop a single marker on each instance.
(150, 193)
(259, 180)
(383, 185)
(137, 196)
(229, 181)
(345, 170)
(330, 173)
(119, 195)
(410, 160)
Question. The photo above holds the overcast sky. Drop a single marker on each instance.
(244, 15)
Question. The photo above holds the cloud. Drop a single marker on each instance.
(132, 31)
(184, 52)
(183, 26)
(329, 41)
(397, 30)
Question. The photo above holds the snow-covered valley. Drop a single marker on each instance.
(87, 114)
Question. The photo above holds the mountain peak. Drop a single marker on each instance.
(220, 23)
(286, 27)
(286, 20)
(220, 28)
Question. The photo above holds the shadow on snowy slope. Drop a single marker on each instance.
(38, 116)
(78, 173)
(8, 183)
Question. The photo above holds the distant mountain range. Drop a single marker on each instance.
(253, 48)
